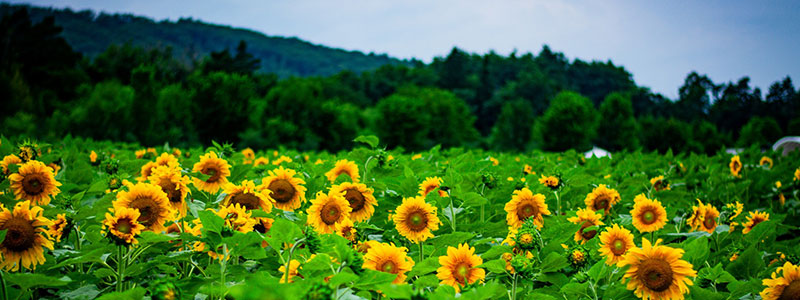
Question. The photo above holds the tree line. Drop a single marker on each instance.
(513, 103)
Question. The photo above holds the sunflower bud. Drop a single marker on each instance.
(312, 241)
(110, 166)
(164, 289)
(28, 151)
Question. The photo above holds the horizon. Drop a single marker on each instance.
(710, 43)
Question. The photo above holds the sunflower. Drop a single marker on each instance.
(736, 208)
(167, 159)
(140, 153)
(123, 225)
(525, 204)
(550, 181)
(587, 218)
(361, 199)
(614, 243)
(8, 160)
(219, 170)
(35, 182)
(56, 167)
(343, 167)
(796, 175)
(346, 230)
(294, 267)
(281, 160)
(286, 190)
(494, 161)
(430, 184)
(261, 161)
(93, 158)
(657, 271)
(26, 234)
(236, 217)
(648, 215)
(735, 166)
(172, 183)
(460, 267)
(151, 202)
(56, 230)
(146, 171)
(765, 161)
(753, 219)
(659, 184)
(602, 198)
(416, 156)
(415, 219)
(787, 286)
(249, 154)
(527, 169)
(363, 247)
(388, 259)
(710, 215)
(326, 211)
(248, 196)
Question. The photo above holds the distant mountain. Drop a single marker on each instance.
(91, 33)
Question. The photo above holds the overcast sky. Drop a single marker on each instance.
(658, 42)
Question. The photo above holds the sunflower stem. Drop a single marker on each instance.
(452, 215)
(120, 268)
(3, 284)
(289, 260)
(223, 265)
(514, 288)
(558, 203)
(421, 255)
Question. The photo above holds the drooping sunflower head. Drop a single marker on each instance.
(346, 229)
(56, 230)
(430, 184)
(784, 284)
(550, 181)
(326, 211)
(172, 183)
(248, 196)
(388, 258)
(26, 234)
(9, 160)
(34, 181)
(735, 165)
(236, 218)
(285, 189)
(415, 219)
(602, 198)
(343, 167)
(754, 219)
(151, 202)
(523, 205)
(659, 183)
(614, 243)
(216, 168)
(361, 198)
(648, 214)
(460, 267)
(123, 226)
(657, 272)
(587, 218)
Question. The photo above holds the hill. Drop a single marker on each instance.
(91, 33)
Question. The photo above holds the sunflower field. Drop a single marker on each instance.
(82, 219)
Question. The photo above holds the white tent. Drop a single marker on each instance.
(787, 144)
(599, 152)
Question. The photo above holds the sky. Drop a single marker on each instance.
(659, 42)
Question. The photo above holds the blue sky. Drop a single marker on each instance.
(658, 42)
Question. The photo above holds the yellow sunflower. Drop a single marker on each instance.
(261, 161)
(151, 202)
(602, 198)
(248, 196)
(710, 215)
(146, 171)
(140, 153)
(93, 157)
(219, 170)
(294, 268)
(361, 199)
(286, 190)
(8, 160)
(236, 217)
(56, 230)
(523, 205)
(34, 182)
(249, 155)
(648, 215)
(326, 211)
(26, 234)
(430, 184)
(123, 224)
(167, 159)
(657, 271)
(785, 283)
(765, 161)
(174, 184)
(587, 218)
(363, 247)
(735, 165)
(281, 160)
(549, 181)
(56, 167)
(659, 184)
(343, 167)
(415, 219)
(388, 259)
(460, 267)
(614, 243)
(796, 175)
(754, 219)
(528, 170)
(346, 230)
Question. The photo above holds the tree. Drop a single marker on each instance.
(662, 134)
(569, 123)
(695, 96)
(761, 132)
(242, 63)
(617, 127)
(512, 131)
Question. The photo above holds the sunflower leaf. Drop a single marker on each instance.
(28, 280)
(428, 265)
(370, 140)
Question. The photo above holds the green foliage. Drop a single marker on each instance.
(512, 131)
(617, 128)
(569, 123)
(761, 132)
(664, 134)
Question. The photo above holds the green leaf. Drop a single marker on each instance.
(134, 293)
(428, 265)
(497, 266)
(396, 291)
(697, 250)
(211, 222)
(554, 262)
(342, 278)
(3, 235)
(370, 140)
(474, 199)
(370, 279)
(701, 293)
(496, 251)
(28, 280)
(599, 270)
(451, 239)
(747, 265)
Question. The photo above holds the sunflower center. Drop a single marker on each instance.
(587, 235)
(330, 213)
(246, 200)
(526, 211)
(389, 267)
(649, 217)
(20, 234)
(148, 210)
(656, 274)
(213, 172)
(601, 203)
(618, 248)
(260, 227)
(756, 220)
(33, 184)
(710, 223)
(430, 188)
(124, 226)
(355, 198)
(791, 292)
(282, 190)
(170, 188)
(461, 273)
(417, 221)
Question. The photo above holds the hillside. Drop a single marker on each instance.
(91, 33)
